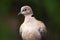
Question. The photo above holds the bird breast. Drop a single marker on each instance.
(30, 31)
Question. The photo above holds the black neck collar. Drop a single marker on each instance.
(32, 15)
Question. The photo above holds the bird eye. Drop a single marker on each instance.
(24, 9)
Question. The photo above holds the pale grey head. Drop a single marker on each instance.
(26, 10)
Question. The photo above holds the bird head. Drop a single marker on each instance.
(26, 10)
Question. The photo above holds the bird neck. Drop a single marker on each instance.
(28, 18)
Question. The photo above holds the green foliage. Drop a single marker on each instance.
(51, 8)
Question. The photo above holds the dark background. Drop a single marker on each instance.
(47, 11)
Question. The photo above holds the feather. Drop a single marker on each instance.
(31, 29)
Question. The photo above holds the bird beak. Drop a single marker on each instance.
(19, 13)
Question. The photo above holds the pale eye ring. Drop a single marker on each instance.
(24, 10)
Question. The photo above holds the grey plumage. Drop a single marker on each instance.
(31, 29)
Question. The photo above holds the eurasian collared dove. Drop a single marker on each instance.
(31, 29)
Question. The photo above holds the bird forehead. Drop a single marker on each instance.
(25, 7)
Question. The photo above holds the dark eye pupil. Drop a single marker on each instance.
(24, 10)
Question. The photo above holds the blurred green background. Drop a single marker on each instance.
(47, 11)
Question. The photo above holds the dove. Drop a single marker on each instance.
(31, 28)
